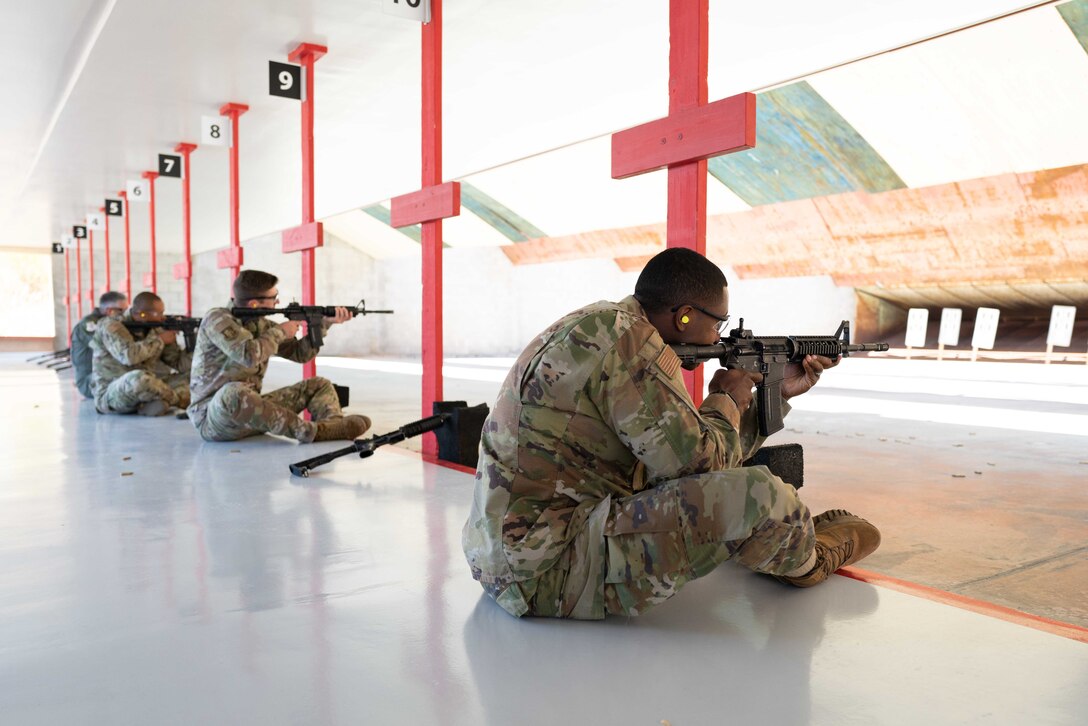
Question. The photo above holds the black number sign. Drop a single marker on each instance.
(169, 165)
(285, 80)
(58, 248)
(113, 207)
(79, 231)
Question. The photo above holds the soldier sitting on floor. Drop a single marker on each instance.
(601, 488)
(111, 304)
(139, 371)
(229, 364)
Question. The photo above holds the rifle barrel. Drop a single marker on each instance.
(302, 468)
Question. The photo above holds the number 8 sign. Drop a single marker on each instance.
(215, 130)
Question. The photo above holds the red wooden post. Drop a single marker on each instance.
(106, 222)
(184, 269)
(90, 263)
(154, 278)
(693, 132)
(232, 258)
(306, 54)
(67, 299)
(79, 280)
(428, 207)
(128, 250)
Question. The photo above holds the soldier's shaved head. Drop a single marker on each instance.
(677, 276)
(145, 301)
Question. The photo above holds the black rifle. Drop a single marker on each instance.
(46, 357)
(769, 356)
(365, 447)
(313, 315)
(185, 325)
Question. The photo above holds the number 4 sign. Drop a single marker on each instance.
(215, 130)
(285, 79)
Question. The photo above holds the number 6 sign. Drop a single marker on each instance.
(215, 130)
(137, 191)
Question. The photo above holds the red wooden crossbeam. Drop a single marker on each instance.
(426, 205)
(186, 268)
(303, 237)
(233, 111)
(128, 249)
(693, 132)
(151, 176)
(698, 133)
(229, 257)
(308, 236)
(106, 222)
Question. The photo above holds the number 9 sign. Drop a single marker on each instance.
(285, 80)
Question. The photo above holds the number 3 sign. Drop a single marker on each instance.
(215, 130)
(285, 80)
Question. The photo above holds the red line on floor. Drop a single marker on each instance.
(1054, 627)
(1018, 617)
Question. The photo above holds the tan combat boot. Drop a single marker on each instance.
(841, 539)
(341, 427)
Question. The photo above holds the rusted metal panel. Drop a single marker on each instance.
(805, 148)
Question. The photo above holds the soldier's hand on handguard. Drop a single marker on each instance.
(290, 327)
(168, 337)
(737, 384)
(342, 316)
(800, 378)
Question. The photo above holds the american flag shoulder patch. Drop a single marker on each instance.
(668, 361)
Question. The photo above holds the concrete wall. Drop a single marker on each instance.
(493, 307)
(169, 289)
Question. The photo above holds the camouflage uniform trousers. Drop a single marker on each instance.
(135, 388)
(659, 540)
(236, 411)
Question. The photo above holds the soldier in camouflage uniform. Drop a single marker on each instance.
(110, 304)
(601, 488)
(138, 371)
(229, 364)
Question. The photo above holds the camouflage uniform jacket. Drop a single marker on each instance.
(81, 351)
(594, 410)
(229, 350)
(118, 350)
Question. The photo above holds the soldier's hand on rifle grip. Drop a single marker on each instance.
(342, 316)
(290, 328)
(737, 384)
(168, 337)
(800, 378)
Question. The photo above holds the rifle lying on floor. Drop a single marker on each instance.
(179, 323)
(45, 358)
(769, 355)
(366, 447)
(313, 315)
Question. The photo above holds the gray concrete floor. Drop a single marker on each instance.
(985, 501)
(151, 578)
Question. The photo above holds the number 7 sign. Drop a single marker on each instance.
(169, 165)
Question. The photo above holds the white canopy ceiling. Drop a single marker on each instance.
(96, 88)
